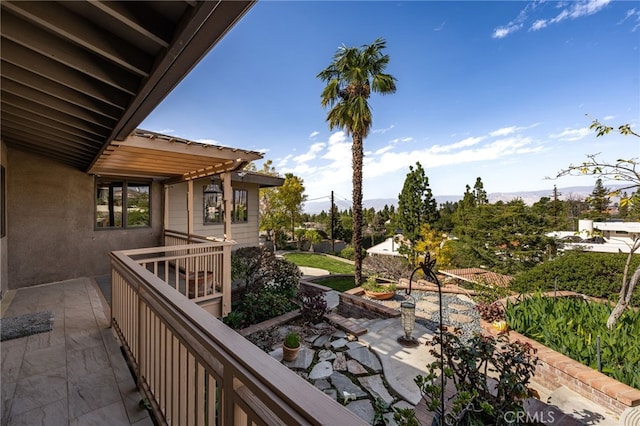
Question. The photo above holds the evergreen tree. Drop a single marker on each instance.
(416, 207)
(599, 201)
(479, 193)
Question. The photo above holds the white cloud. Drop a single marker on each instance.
(384, 130)
(609, 117)
(504, 131)
(311, 154)
(569, 10)
(166, 131)
(440, 27)
(470, 141)
(571, 135)
(539, 24)
(314, 134)
(502, 32)
(400, 140)
(633, 16)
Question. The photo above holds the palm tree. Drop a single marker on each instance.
(354, 73)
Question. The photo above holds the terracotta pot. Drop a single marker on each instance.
(380, 295)
(289, 354)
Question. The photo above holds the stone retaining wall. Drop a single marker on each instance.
(354, 306)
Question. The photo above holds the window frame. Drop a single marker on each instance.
(219, 197)
(124, 183)
(234, 208)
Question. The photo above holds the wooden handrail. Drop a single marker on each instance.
(197, 371)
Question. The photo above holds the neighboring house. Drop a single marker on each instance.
(388, 247)
(602, 237)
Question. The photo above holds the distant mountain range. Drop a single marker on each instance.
(529, 197)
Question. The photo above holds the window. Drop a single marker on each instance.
(122, 204)
(239, 212)
(213, 204)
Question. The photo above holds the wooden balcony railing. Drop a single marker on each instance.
(193, 369)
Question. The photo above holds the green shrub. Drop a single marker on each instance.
(593, 274)
(571, 326)
(348, 253)
(478, 399)
(372, 284)
(265, 304)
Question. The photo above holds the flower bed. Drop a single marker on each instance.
(555, 370)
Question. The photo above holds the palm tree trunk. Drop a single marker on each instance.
(357, 158)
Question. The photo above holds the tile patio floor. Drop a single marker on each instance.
(72, 375)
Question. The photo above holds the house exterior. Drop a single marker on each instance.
(601, 237)
(388, 247)
(84, 192)
(59, 150)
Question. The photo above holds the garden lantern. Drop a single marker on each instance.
(408, 316)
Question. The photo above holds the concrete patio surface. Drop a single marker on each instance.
(72, 375)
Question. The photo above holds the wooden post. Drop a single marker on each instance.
(190, 207)
(228, 204)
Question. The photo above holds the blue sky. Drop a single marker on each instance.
(504, 91)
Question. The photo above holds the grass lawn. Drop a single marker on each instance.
(338, 283)
(315, 260)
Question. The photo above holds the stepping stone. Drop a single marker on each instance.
(322, 326)
(427, 306)
(354, 367)
(339, 334)
(388, 419)
(343, 384)
(340, 343)
(355, 344)
(326, 355)
(321, 341)
(403, 404)
(363, 409)
(460, 318)
(365, 357)
(303, 361)
(376, 388)
(332, 393)
(458, 307)
(311, 338)
(322, 384)
(321, 370)
(340, 363)
(433, 299)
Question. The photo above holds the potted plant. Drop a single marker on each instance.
(375, 290)
(291, 346)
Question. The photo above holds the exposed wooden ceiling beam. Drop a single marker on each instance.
(67, 53)
(70, 26)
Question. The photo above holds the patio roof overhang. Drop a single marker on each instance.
(167, 158)
(77, 75)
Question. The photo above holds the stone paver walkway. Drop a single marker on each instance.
(346, 370)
